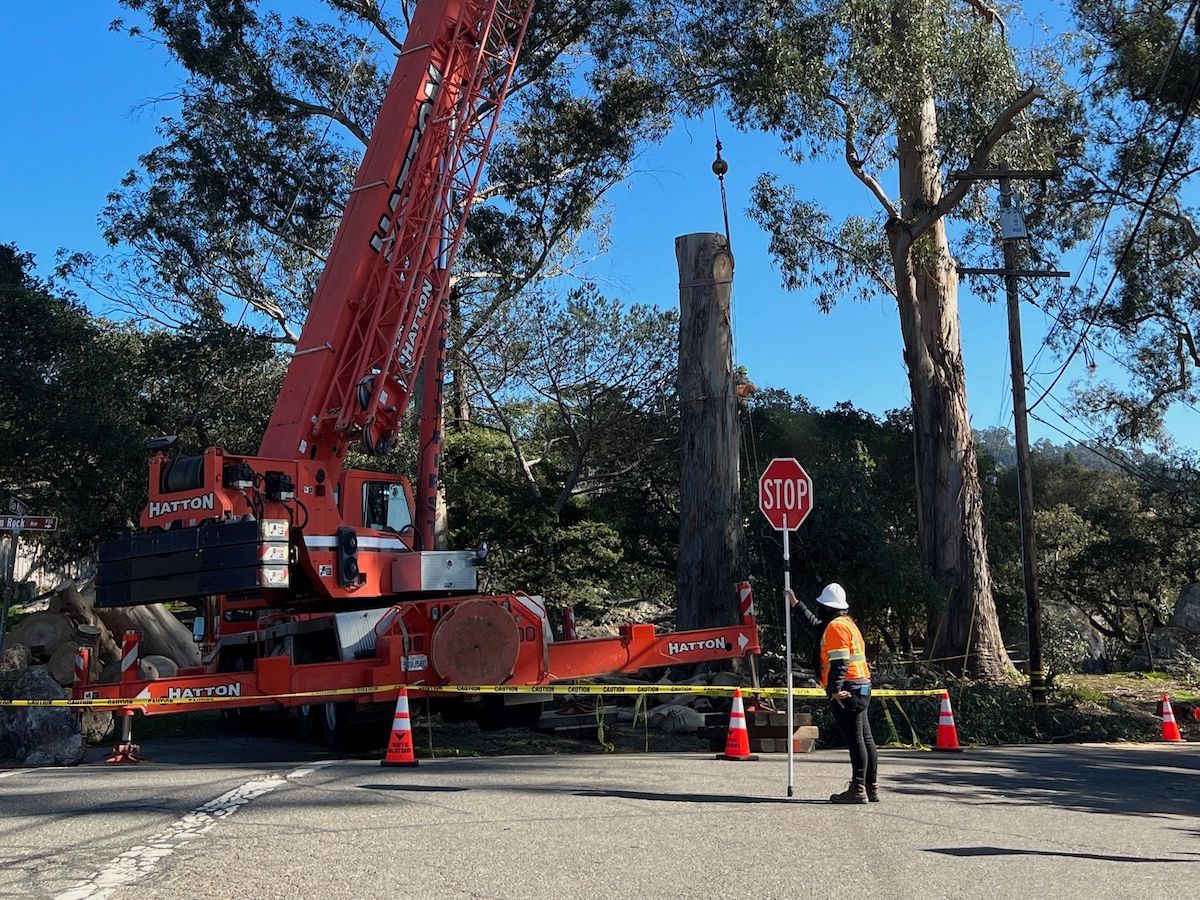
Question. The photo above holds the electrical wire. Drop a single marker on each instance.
(1184, 117)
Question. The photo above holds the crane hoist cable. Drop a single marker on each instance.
(720, 167)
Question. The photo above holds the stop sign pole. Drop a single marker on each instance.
(785, 497)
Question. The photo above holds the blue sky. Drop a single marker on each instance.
(76, 121)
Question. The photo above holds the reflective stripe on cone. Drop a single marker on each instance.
(947, 734)
(737, 742)
(1170, 731)
(400, 744)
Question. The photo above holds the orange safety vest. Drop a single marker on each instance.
(843, 641)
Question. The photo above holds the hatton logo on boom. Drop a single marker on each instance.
(216, 690)
(408, 350)
(674, 648)
(423, 112)
(191, 504)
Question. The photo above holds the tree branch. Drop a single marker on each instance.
(979, 159)
(855, 161)
(315, 109)
(506, 424)
(989, 15)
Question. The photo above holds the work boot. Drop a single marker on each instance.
(873, 793)
(855, 793)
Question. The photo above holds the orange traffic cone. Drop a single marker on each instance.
(947, 734)
(737, 743)
(1170, 727)
(400, 745)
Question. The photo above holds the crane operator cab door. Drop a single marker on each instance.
(386, 507)
(379, 502)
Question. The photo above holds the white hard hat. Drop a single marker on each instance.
(834, 596)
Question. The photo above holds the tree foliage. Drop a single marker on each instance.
(80, 395)
(1140, 306)
(239, 204)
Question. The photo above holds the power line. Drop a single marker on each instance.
(1094, 249)
(1110, 453)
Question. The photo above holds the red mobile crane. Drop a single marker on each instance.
(308, 576)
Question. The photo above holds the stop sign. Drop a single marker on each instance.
(785, 494)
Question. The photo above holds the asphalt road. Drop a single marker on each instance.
(257, 817)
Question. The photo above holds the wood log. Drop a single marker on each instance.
(61, 665)
(710, 531)
(96, 725)
(163, 666)
(161, 633)
(42, 632)
(111, 673)
(70, 600)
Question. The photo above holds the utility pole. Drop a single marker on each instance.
(1012, 230)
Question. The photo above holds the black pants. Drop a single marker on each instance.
(851, 718)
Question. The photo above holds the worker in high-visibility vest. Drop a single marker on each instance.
(846, 678)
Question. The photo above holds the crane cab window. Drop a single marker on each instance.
(385, 506)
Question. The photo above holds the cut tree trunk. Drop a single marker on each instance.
(68, 599)
(951, 535)
(710, 534)
(162, 666)
(61, 665)
(161, 633)
(42, 633)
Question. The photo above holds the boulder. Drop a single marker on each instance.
(42, 632)
(1187, 610)
(46, 735)
(15, 658)
(1174, 650)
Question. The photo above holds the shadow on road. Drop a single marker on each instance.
(1015, 851)
(690, 798)
(1120, 780)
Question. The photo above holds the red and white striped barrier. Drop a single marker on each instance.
(129, 656)
(83, 665)
(745, 599)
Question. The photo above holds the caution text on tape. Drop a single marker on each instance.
(551, 689)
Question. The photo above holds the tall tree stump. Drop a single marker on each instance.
(710, 534)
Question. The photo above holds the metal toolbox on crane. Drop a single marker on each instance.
(435, 570)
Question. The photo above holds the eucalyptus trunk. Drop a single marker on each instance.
(951, 535)
(710, 532)
(456, 363)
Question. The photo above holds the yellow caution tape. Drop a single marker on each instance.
(551, 689)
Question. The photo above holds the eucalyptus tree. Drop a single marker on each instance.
(904, 93)
(234, 211)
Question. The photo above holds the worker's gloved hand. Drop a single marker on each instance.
(791, 598)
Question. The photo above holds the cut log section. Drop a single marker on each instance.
(42, 633)
(68, 599)
(161, 633)
(62, 663)
(162, 665)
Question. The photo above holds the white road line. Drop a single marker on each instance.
(11, 773)
(141, 860)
